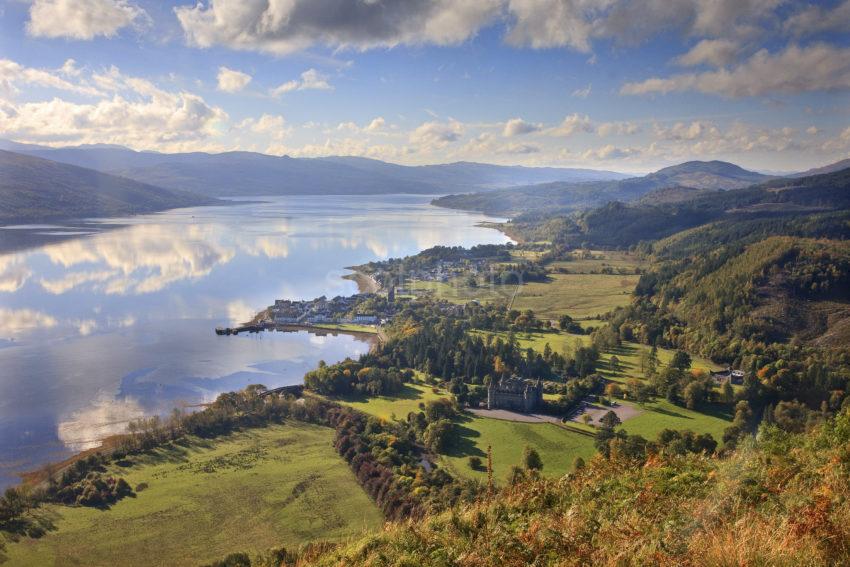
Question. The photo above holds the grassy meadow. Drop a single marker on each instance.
(261, 488)
(400, 405)
(558, 447)
(576, 295)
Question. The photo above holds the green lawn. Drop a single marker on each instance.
(576, 295)
(661, 414)
(557, 446)
(262, 488)
(400, 405)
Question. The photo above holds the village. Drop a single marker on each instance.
(322, 310)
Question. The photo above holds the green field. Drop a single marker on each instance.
(400, 405)
(576, 295)
(599, 260)
(558, 447)
(661, 414)
(262, 488)
(455, 291)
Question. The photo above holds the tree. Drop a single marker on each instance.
(727, 393)
(610, 420)
(613, 390)
(614, 363)
(681, 360)
(532, 459)
(694, 394)
(564, 322)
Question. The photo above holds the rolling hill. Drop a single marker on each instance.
(617, 224)
(710, 175)
(250, 173)
(34, 189)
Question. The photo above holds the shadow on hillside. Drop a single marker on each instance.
(463, 444)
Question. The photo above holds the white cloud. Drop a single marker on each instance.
(572, 124)
(518, 127)
(794, 70)
(609, 152)
(437, 134)
(812, 131)
(82, 19)
(377, 124)
(295, 25)
(13, 74)
(13, 321)
(714, 52)
(626, 128)
(310, 80)
(583, 93)
(13, 273)
(131, 111)
(231, 81)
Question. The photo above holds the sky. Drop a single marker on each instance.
(625, 85)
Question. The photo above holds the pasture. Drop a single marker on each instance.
(256, 489)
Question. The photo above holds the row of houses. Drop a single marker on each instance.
(322, 310)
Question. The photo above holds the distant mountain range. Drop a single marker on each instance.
(701, 175)
(248, 173)
(35, 189)
(831, 168)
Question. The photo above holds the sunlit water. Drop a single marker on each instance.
(111, 325)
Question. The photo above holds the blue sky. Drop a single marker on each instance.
(629, 85)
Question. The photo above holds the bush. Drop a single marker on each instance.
(475, 463)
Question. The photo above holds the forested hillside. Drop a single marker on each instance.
(620, 225)
(38, 189)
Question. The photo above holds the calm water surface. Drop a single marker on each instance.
(110, 325)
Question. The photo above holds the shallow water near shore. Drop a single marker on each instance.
(104, 327)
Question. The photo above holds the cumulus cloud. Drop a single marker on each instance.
(625, 128)
(518, 127)
(231, 81)
(310, 80)
(13, 75)
(82, 19)
(609, 152)
(129, 111)
(437, 134)
(376, 125)
(572, 124)
(714, 52)
(286, 27)
(793, 70)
